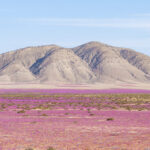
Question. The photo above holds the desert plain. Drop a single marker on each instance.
(75, 119)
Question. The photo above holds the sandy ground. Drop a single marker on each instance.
(118, 85)
(128, 131)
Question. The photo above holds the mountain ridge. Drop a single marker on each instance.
(91, 62)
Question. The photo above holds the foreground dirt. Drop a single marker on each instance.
(75, 119)
(75, 130)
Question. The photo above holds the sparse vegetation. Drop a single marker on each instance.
(66, 113)
(21, 111)
(50, 148)
(44, 114)
(99, 101)
(29, 148)
(110, 119)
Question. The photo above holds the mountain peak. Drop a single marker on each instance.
(93, 44)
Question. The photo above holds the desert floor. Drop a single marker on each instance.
(74, 120)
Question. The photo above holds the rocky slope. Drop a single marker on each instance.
(114, 64)
(89, 63)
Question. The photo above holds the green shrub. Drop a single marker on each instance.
(44, 115)
(50, 148)
(110, 119)
(21, 111)
(29, 148)
(91, 114)
(66, 113)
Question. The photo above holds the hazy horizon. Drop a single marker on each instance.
(69, 47)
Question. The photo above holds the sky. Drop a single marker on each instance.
(69, 23)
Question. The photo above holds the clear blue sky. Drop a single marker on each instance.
(70, 23)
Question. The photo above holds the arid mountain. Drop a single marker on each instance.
(114, 64)
(62, 65)
(92, 62)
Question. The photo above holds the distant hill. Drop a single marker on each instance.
(92, 62)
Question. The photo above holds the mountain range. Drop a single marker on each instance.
(93, 62)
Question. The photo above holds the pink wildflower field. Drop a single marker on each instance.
(115, 119)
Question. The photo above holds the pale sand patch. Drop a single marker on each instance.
(117, 85)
